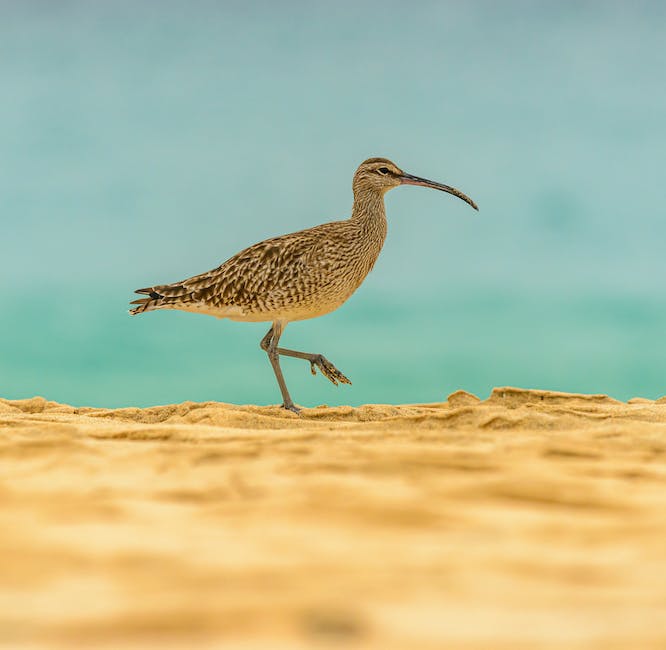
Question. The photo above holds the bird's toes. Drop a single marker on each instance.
(330, 371)
(341, 378)
(328, 374)
(327, 368)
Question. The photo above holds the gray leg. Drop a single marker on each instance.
(269, 344)
(320, 361)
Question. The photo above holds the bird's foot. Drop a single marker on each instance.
(291, 407)
(327, 369)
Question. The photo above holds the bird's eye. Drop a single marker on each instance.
(383, 170)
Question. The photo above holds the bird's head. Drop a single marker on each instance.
(381, 175)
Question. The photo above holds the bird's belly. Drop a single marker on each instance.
(303, 308)
(287, 314)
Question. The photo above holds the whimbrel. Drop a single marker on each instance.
(296, 276)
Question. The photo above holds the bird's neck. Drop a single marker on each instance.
(369, 217)
(369, 208)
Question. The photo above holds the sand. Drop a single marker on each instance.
(532, 519)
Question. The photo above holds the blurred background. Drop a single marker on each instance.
(142, 143)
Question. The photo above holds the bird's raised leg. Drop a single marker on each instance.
(320, 361)
(269, 344)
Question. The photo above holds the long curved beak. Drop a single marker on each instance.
(408, 179)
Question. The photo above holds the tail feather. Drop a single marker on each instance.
(145, 304)
(175, 290)
(162, 296)
(155, 301)
(150, 291)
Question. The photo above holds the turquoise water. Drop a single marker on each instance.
(95, 354)
(146, 142)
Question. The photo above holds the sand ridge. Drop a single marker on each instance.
(529, 519)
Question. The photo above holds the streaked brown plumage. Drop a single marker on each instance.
(297, 276)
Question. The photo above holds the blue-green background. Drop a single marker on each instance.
(144, 142)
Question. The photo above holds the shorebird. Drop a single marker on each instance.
(296, 276)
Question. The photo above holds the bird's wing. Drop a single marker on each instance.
(264, 273)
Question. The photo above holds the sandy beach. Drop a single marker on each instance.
(531, 519)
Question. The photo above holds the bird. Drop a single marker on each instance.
(297, 276)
